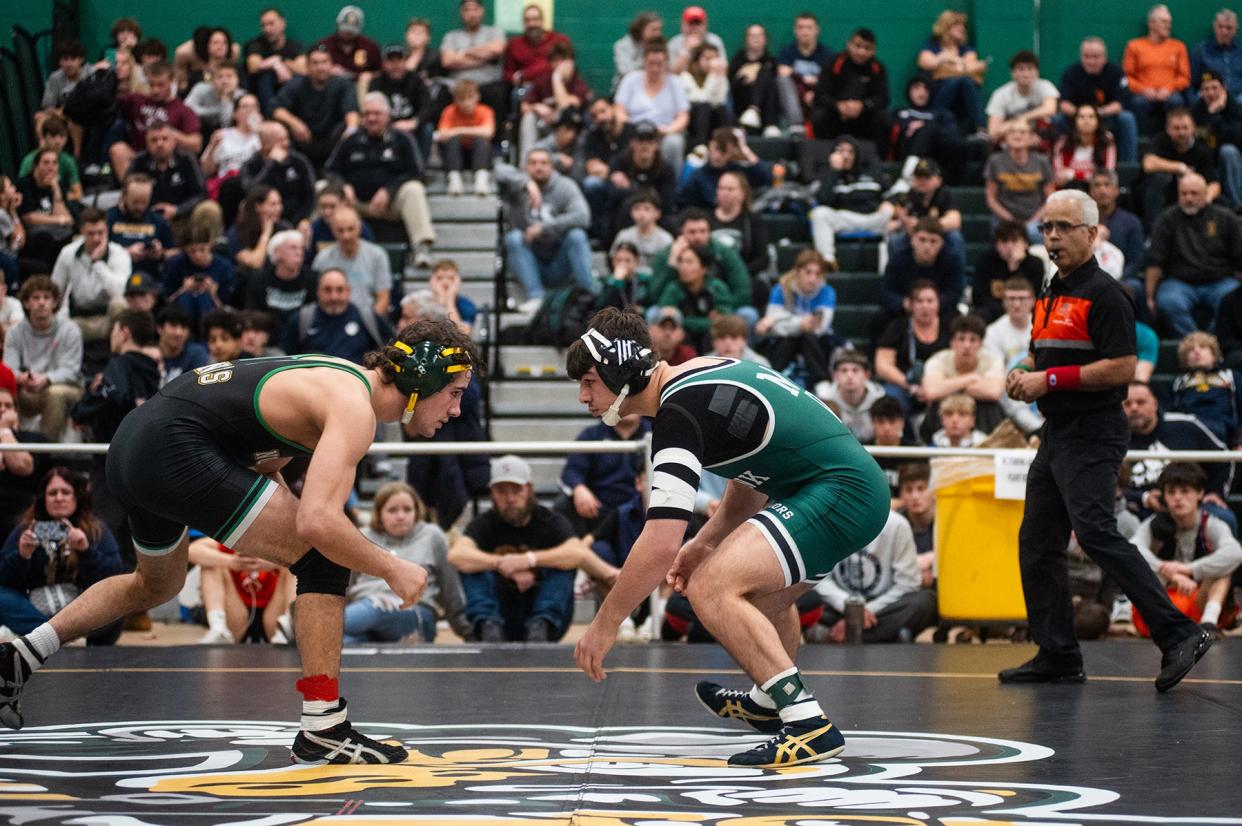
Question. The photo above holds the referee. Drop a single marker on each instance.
(1082, 358)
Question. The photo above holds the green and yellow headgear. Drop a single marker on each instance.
(426, 369)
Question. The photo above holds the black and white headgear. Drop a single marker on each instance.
(624, 366)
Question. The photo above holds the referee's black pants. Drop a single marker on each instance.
(1072, 486)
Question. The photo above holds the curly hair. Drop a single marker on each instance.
(613, 323)
(439, 330)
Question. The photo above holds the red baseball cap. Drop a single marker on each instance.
(694, 14)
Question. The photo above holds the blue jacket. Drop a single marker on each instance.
(1225, 61)
(699, 189)
(1126, 232)
(1213, 397)
(610, 476)
(343, 336)
(179, 268)
(100, 561)
(902, 271)
(619, 531)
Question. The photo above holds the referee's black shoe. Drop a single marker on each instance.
(1178, 660)
(1044, 669)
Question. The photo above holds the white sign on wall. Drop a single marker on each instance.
(1010, 468)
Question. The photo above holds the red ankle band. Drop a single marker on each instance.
(319, 687)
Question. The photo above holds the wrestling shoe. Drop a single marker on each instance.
(341, 744)
(737, 705)
(1178, 660)
(15, 670)
(802, 741)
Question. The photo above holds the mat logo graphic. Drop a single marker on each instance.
(168, 771)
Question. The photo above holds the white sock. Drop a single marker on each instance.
(799, 703)
(217, 620)
(1211, 613)
(44, 641)
(761, 698)
(318, 715)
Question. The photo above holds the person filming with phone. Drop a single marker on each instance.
(58, 549)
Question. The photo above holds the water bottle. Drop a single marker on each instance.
(855, 610)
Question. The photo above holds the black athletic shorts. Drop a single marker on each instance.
(169, 471)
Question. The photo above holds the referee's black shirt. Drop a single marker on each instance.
(1083, 317)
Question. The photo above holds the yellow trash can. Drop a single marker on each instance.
(978, 579)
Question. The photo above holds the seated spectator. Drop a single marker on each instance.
(125, 35)
(1008, 257)
(229, 148)
(179, 191)
(928, 197)
(854, 393)
(799, 67)
(130, 78)
(131, 376)
(1088, 148)
(1219, 53)
(957, 423)
(526, 56)
(706, 84)
(1229, 329)
(728, 339)
(1027, 97)
(1206, 389)
(625, 285)
(909, 340)
(1009, 336)
(518, 562)
(1125, 230)
(966, 367)
(1096, 81)
(409, 98)
(1157, 69)
(467, 124)
(725, 153)
(605, 137)
(797, 320)
(141, 230)
(317, 107)
(91, 274)
(657, 96)
(852, 96)
(327, 198)
(194, 59)
(850, 199)
(71, 67)
(221, 331)
(58, 550)
(244, 599)
(593, 485)
(284, 169)
(547, 243)
(668, 337)
(956, 69)
(1151, 428)
(735, 223)
(1149, 349)
(693, 34)
(47, 215)
(1218, 119)
(257, 333)
(888, 422)
(354, 55)
(897, 607)
(179, 351)
(926, 259)
(12, 233)
(365, 264)
(53, 133)
(334, 325)
(44, 351)
(637, 168)
(258, 220)
(473, 53)
(752, 83)
(213, 100)
(645, 233)
(20, 471)
(922, 130)
(1194, 258)
(558, 91)
(381, 168)
(140, 112)
(445, 285)
(272, 58)
(1174, 154)
(698, 293)
(627, 51)
(286, 281)
(197, 279)
(400, 524)
(1194, 553)
(1017, 181)
(566, 146)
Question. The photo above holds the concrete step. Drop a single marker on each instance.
(464, 208)
(521, 360)
(539, 429)
(472, 236)
(545, 472)
(529, 398)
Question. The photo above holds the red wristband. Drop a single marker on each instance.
(1064, 378)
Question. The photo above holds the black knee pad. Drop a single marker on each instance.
(319, 575)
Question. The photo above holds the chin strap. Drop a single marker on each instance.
(613, 414)
(409, 409)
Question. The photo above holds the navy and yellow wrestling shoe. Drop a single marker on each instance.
(737, 705)
(803, 741)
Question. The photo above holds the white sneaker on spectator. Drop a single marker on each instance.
(216, 636)
(455, 185)
(750, 119)
(772, 131)
(530, 305)
(284, 630)
(422, 256)
(482, 183)
(628, 632)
